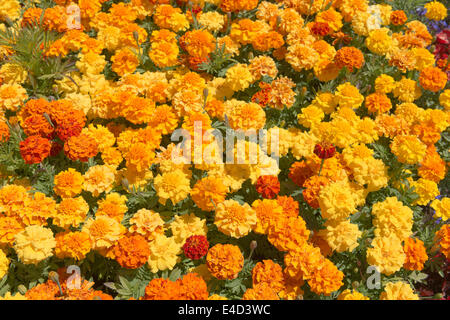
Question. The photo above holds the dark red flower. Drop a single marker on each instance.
(320, 29)
(196, 247)
(324, 150)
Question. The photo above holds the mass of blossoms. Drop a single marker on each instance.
(348, 199)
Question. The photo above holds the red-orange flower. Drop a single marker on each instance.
(35, 149)
(349, 57)
(268, 186)
(320, 29)
(131, 252)
(80, 147)
(324, 150)
(196, 247)
(398, 17)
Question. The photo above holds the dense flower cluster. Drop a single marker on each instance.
(223, 149)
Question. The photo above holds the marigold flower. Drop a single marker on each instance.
(268, 272)
(80, 148)
(341, 236)
(4, 132)
(147, 223)
(378, 103)
(162, 289)
(386, 254)
(104, 232)
(187, 225)
(391, 217)
(71, 212)
(68, 183)
(208, 192)
(163, 253)
(408, 149)
(35, 149)
(398, 291)
(433, 79)
(442, 240)
(72, 245)
(326, 279)
(124, 62)
(113, 206)
(193, 287)
(442, 208)
(234, 219)
(416, 254)
(398, 17)
(172, 185)
(4, 264)
(267, 213)
(131, 252)
(435, 11)
(196, 247)
(260, 291)
(268, 186)
(225, 261)
(349, 57)
(351, 295)
(34, 244)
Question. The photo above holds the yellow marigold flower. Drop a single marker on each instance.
(99, 179)
(147, 223)
(267, 213)
(398, 291)
(435, 11)
(172, 185)
(426, 189)
(326, 279)
(302, 57)
(384, 84)
(187, 225)
(34, 244)
(310, 116)
(336, 201)
(326, 101)
(112, 157)
(140, 156)
(216, 297)
(71, 212)
(262, 66)
(113, 206)
(239, 77)
(124, 62)
(416, 254)
(104, 232)
(4, 264)
(442, 208)
(348, 95)
(341, 236)
(102, 136)
(433, 79)
(331, 17)
(424, 58)
(386, 254)
(208, 192)
(212, 20)
(288, 233)
(72, 245)
(68, 183)
(444, 99)
(392, 217)
(163, 253)
(407, 90)
(260, 291)
(164, 119)
(233, 219)
(12, 96)
(13, 73)
(351, 295)
(10, 9)
(379, 41)
(164, 54)
(225, 261)
(408, 149)
(91, 63)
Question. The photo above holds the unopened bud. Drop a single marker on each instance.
(125, 183)
(22, 289)
(136, 36)
(253, 245)
(54, 276)
(300, 297)
(250, 55)
(355, 284)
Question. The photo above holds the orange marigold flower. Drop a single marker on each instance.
(416, 254)
(268, 186)
(80, 148)
(312, 186)
(208, 193)
(299, 172)
(193, 287)
(326, 279)
(68, 183)
(4, 132)
(378, 103)
(35, 149)
(320, 29)
(433, 79)
(266, 41)
(131, 252)
(398, 18)
(290, 206)
(9, 227)
(37, 124)
(303, 262)
(162, 289)
(124, 62)
(267, 213)
(288, 233)
(198, 43)
(261, 291)
(432, 167)
(72, 245)
(442, 240)
(225, 261)
(349, 57)
(268, 272)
